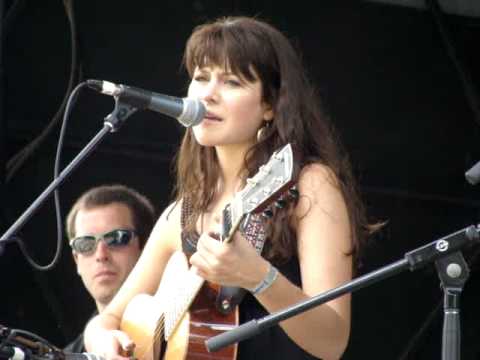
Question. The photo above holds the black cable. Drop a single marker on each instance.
(12, 13)
(468, 86)
(15, 332)
(34, 346)
(70, 101)
(421, 331)
(17, 161)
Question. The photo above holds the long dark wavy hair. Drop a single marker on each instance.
(243, 44)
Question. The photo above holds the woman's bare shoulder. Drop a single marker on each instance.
(317, 175)
(319, 190)
(168, 226)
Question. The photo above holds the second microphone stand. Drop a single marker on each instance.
(453, 272)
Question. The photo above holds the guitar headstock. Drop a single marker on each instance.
(266, 186)
(271, 180)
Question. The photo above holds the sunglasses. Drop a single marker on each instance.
(87, 244)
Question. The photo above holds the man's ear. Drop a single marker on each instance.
(75, 258)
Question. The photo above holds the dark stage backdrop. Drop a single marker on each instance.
(384, 73)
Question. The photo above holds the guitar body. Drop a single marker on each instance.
(141, 321)
(144, 316)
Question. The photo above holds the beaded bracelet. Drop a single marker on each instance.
(271, 276)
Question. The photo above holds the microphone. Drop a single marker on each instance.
(189, 112)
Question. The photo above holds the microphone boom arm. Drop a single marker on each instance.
(412, 260)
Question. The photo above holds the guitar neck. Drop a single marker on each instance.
(228, 235)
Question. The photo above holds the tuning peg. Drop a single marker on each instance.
(280, 203)
(268, 213)
(293, 192)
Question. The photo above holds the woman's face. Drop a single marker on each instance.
(235, 110)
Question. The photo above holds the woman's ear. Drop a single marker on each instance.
(268, 113)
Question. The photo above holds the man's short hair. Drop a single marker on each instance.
(141, 209)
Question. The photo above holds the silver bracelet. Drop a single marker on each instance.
(267, 281)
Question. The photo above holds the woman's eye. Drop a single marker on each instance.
(233, 82)
(200, 78)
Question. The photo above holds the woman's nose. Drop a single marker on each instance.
(210, 91)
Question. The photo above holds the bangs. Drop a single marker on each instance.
(225, 46)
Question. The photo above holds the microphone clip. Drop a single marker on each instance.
(120, 113)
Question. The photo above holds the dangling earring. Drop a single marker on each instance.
(261, 133)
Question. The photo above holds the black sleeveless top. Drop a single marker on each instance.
(271, 343)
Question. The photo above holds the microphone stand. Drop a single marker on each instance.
(112, 123)
(452, 271)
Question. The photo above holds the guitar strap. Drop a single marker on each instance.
(253, 229)
(228, 298)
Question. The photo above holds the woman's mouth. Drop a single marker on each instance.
(212, 117)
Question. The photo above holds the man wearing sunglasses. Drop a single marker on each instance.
(107, 228)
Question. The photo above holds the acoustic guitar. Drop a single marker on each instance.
(182, 314)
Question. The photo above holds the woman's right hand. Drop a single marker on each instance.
(112, 345)
(103, 338)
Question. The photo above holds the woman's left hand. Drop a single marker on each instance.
(235, 263)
